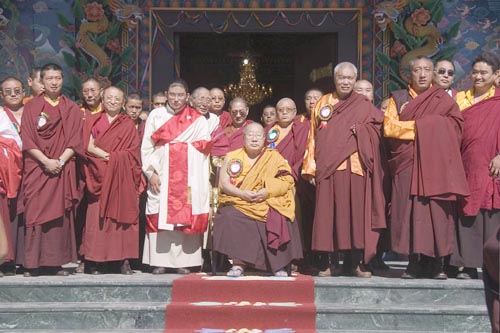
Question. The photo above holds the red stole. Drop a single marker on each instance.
(115, 182)
(12, 119)
(11, 162)
(47, 197)
(480, 144)
(179, 208)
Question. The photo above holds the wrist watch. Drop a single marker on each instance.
(61, 162)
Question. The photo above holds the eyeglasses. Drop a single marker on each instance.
(285, 110)
(442, 71)
(16, 91)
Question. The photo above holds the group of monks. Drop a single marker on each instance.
(419, 176)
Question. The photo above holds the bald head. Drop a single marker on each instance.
(345, 75)
(239, 111)
(364, 87)
(286, 110)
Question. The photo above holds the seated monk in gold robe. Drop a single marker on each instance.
(255, 224)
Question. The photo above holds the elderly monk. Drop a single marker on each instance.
(91, 93)
(217, 107)
(10, 179)
(174, 156)
(201, 101)
(343, 158)
(35, 84)
(289, 136)
(310, 98)
(444, 73)
(51, 136)
(480, 212)
(364, 87)
(268, 115)
(424, 127)
(255, 224)
(113, 176)
(230, 137)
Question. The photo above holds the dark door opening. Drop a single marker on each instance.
(291, 63)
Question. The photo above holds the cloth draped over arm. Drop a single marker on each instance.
(63, 130)
(437, 171)
(480, 144)
(11, 159)
(116, 181)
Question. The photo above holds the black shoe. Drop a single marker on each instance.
(409, 276)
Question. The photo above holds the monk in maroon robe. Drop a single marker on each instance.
(51, 136)
(113, 175)
(230, 137)
(289, 136)
(424, 127)
(344, 160)
(217, 107)
(480, 212)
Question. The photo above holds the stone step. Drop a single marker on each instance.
(423, 317)
(82, 316)
(127, 330)
(138, 287)
(384, 331)
(382, 291)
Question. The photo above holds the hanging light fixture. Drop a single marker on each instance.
(248, 88)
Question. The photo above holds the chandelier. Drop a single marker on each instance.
(248, 88)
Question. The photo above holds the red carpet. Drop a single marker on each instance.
(207, 304)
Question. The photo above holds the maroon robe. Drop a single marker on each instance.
(426, 188)
(111, 228)
(350, 209)
(225, 140)
(491, 272)
(480, 144)
(225, 119)
(50, 201)
(292, 148)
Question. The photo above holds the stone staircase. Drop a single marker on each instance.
(136, 304)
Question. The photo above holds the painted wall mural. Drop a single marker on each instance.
(75, 35)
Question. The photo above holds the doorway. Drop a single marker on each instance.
(289, 63)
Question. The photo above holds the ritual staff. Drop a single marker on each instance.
(3, 243)
(10, 179)
(174, 156)
(255, 224)
(343, 158)
(424, 127)
(35, 84)
(217, 107)
(444, 73)
(479, 212)
(201, 101)
(133, 108)
(51, 136)
(229, 138)
(91, 93)
(268, 115)
(113, 177)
